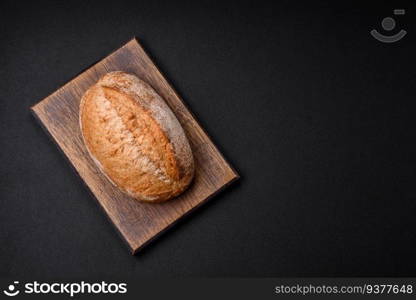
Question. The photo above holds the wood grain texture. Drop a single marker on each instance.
(137, 222)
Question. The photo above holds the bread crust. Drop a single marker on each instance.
(135, 139)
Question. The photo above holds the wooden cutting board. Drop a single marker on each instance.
(137, 222)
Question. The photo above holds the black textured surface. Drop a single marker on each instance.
(316, 115)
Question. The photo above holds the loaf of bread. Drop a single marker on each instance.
(135, 139)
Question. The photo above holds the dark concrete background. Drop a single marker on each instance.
(316, 115)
